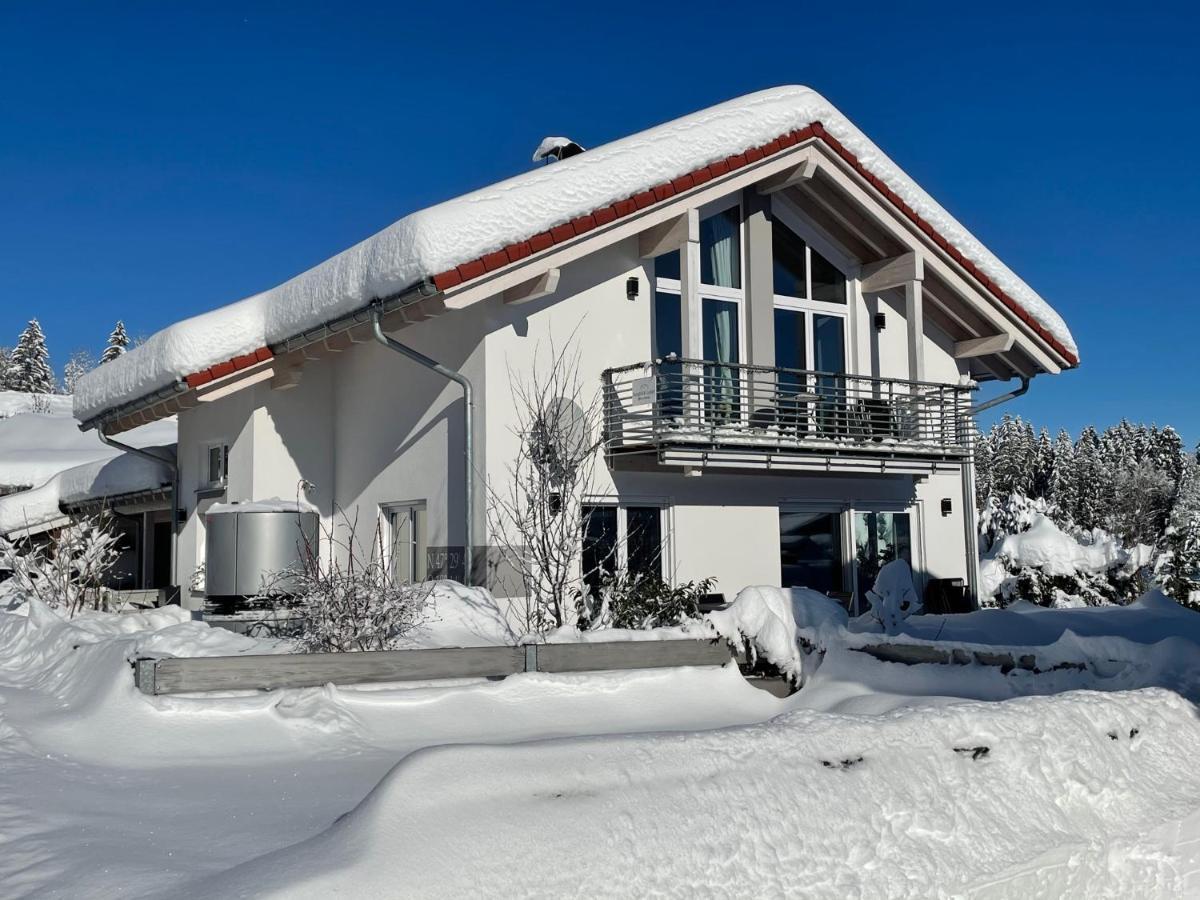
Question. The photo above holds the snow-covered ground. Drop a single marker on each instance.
(876, 779)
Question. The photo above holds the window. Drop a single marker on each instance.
(810, 335)
(216, 464)
(879, 538)
(839, 551)
(810, 550)
(621, 538)
(720, 297)
(409, 552)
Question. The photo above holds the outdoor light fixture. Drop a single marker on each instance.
(631, 287)
(880, 321)
(947, 506)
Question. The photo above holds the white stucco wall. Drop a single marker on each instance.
(368, 428)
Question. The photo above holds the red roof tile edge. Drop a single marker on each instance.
(661, 192)
(221, 369)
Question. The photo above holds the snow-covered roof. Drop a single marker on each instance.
(102, 478)
(36, 445)
(436, 240)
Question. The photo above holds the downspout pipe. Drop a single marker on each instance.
(468, 425)
(1003, 398)
(173, 465)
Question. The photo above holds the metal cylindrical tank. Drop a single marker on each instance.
(247, 542)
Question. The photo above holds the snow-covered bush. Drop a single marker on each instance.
(68, 571)
(780, 626)
(1026, 555)
(352, 601)
(629, 602)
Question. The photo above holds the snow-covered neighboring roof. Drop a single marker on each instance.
(109, 477)
(439, 238)
(35, 446)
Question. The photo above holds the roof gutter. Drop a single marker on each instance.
(468, 443)
(1003, 398)
(173, 466)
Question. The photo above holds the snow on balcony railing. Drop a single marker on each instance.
(701, 403)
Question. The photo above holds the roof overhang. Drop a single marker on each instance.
(987, 324)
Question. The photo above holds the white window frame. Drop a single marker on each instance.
(813, 241)
(388, 512)
(664, 525)
(206, 468)
(713, 292)
(846, 511)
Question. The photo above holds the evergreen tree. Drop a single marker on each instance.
(1012, 457)
(1178, 568)
(1062, 488)
(1091, 489)
(118, 342)
(29, 368)
(5, 368)
(1043, 465)
(80, 363)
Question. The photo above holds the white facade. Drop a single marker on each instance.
(364, 431)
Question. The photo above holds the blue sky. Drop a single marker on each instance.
(158, 160)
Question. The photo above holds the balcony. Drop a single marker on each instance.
(700, 414)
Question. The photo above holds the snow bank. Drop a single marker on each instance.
(1048, 547)
(105, 477)
(438, 238)
(973, 797)
(458, 616)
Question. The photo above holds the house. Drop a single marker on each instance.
(50, 471)
(788, 334)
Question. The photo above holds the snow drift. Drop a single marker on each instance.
(433, 240)
(1047, 795)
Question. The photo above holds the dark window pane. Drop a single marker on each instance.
(667, 265)
(828, 283)
(599, 558)
(829, 343)
(721, 249)
(668, 332)
(789, 339)
(644, 541)
(788, 252)
(810, 550)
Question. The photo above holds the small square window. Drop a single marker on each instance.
(217, 463)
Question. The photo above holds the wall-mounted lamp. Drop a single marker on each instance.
(880, 321)
(632, 286)
(947, 506)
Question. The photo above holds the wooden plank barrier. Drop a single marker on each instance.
(175, 675)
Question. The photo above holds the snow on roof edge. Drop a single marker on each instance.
(440, 237)
(98, 479)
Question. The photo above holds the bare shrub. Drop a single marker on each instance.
(535, 517)
(68, 571)
(351, 602)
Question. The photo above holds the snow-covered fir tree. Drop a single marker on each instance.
(118, 342)
(5, 367)
(29, 367)
(1135, 485)
(80, 363)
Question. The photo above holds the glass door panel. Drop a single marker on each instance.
(719, 322)
(668, 339)
(879, 538)
(810, 550)
(791, 352)
(829, 356)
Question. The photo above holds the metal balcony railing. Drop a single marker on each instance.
(703, 404)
